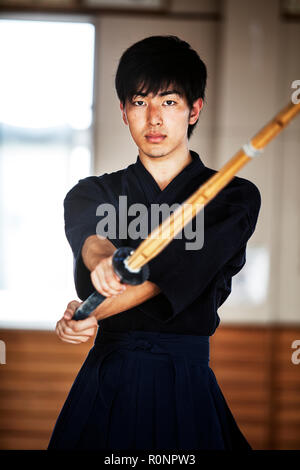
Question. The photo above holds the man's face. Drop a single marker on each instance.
(158, 123)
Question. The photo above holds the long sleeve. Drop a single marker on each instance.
(81, 219)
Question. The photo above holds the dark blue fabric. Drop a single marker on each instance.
(193, 283)
(150, 391)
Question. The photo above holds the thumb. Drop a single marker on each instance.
(71, 309)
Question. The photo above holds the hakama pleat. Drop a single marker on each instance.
(147, 391)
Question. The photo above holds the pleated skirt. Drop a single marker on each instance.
(147, 391)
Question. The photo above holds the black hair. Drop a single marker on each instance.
(157, 62)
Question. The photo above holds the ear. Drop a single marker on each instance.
(195, 111)
(124, 117)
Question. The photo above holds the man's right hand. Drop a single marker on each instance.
(105, 280)
(97, 256)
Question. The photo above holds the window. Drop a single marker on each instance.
(250, 285)
(46, 96)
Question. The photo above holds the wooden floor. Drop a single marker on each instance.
(253, 367)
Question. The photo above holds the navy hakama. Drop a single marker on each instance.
(147, 391)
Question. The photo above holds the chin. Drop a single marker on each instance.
(156, 154)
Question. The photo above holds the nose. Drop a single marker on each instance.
(154, 115)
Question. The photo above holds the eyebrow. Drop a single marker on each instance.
(170, 92)
(163, 93)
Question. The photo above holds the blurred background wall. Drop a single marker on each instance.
(251, 49)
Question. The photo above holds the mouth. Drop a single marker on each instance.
(155, 138)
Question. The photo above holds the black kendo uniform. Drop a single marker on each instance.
(146, 383)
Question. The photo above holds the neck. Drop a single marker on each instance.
(165, 168)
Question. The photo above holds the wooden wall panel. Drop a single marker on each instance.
(34, 383)
(260, 383)
(286, 397)
(252, 365)
(240, 362)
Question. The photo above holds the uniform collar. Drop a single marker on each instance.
(195, 167)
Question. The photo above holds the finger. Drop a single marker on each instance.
(68, 315)
(108, 281)
(81, 339)
(62, 336)
(68, 340)
(63, 333)
(112, 279)
(71, 309)
(72, 341)
(115, 286)
(81, 334)
(106, 289)
(82, 326)
(117, 278)
(114, 274)
(60, 329)
(73, 305)
(66, 331)
(99, 283)
(112, 284)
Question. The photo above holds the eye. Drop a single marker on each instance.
(169, 103)
(138, 103)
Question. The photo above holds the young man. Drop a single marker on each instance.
(146, 383)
